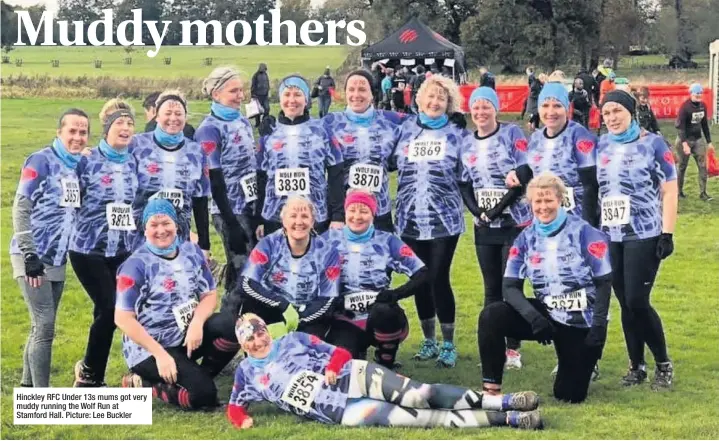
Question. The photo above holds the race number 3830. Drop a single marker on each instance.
(292, 181)
(301, 390)
(70, 193)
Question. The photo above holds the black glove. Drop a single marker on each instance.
(543, 330)
(267, 125)
(665, 246)
(34, 266)
(458, 119)
(596, 337)
(386, 296)
(238, 239)
(493, 213)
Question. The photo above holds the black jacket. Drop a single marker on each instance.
(260, 82)
(646, 118)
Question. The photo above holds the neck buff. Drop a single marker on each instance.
(167, 140)
(69, 159)
(163, 252)
(433, 123)
(628, 135)
(118, 156)
(358, 238)
(224, 112)
(547, 230)
(262, 362)
(363, 119)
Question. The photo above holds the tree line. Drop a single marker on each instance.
(505, 33)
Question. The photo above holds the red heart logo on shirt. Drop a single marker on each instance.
(513, 252)
(208, 147)
(585, 146)
(258, 257)
(521, 145)
(332, 273)
(669, 157)
(597, 249)
(124, 283)
(406, 251)
(28, 174)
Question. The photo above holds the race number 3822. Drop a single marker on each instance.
(301, 390)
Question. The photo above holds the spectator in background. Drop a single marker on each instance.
(531, 107)
(260, 90)
(416, 83)
(434, 69)
(387, 89)
(581, 103)
(378, 76)
(645, 114)
(486, 78)
(691, 122)
(151, 114)
(325, 85)
(590, 85)
(399, 82)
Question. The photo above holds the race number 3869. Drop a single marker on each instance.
(423, 149)
(301, 390)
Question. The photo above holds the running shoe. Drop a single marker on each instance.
(525, 420)
(427, 351)
(520, 401)
(84, 377)
(131, 380)
(514, 359)
(705, 197)
(634, 377)
(663, 377)
(447, 355)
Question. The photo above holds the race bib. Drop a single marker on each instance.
(301, 390)
(366, 176)
(568, 202)
(427, 149)
(488, 198)
(615, 211)
(70, 193)
(292, 181)
(360, 301)
(249, 187)
(183, 314)
(171, 194)
(119, 217)
(575, 301)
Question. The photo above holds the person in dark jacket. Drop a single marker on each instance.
(530, 105)
(260, 90)
(581, 103)
(151, 114)
(691, 122)
(645, 114)
(323, 85)
(416, 83)
(378, 76)
(590, 84)
(486, 78)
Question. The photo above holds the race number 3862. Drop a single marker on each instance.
(301, 390)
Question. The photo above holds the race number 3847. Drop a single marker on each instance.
(615, 210)
(301, 390)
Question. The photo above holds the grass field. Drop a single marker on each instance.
(186, 61)
(685, 295)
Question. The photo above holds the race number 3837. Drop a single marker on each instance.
(70, 193)
(301, 390)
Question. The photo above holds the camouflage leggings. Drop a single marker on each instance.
(699, 152)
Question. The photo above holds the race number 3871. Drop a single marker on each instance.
(119, 217)
(301, 390)
(70, 193)
(575, 301)
(427, 149)
(615, 211)
(292, 181)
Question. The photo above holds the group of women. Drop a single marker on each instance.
(306, 222)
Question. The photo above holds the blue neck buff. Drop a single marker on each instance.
(163, 252)
(363, 119)
(262, 362)
(167, 140)
(69, 159)
(547, 230)
(224, 112)
(358, 238)
(113, 154)
(433, 123)
(628, 135)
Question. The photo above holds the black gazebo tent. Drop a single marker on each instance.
(415, 41)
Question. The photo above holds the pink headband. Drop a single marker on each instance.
(360, 197)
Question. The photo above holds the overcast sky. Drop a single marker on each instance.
(51, 5)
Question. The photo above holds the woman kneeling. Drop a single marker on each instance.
(301, 374)
(165, 302)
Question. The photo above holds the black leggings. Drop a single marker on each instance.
(387, 327)
(319, 328)
(195, 387)
(436, 296)
(634, 268)
(492, 263)
(235, 262)
(575, 360)
(384, 223)
(97, 276)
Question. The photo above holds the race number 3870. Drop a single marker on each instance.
(301, 390)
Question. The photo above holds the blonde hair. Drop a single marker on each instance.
(454, 99)
(294, 200)
(169, 92)
(218, 78)
(556, 77)
(547, 180)
(113, 106)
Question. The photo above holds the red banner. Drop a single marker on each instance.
(664, 99)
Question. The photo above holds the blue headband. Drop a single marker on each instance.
(696, 88)
(297, 82)
(484, 93)
(555, 91)
(158, 206)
